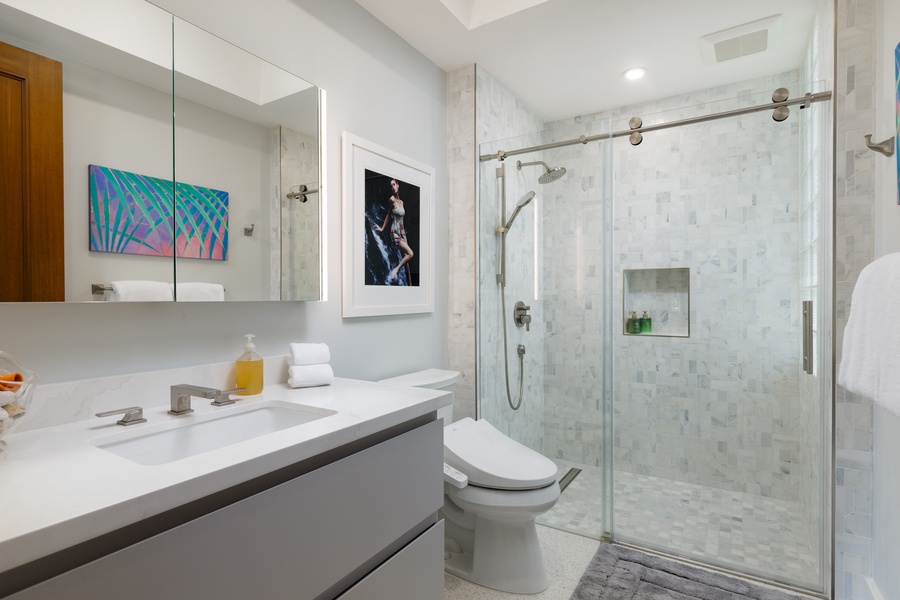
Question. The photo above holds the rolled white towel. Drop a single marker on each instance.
(137, 290)
(310, 354)
(300, 376)
(195, 291)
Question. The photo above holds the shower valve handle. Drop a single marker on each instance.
(521, 316)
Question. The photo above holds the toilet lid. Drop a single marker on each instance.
(491, 459)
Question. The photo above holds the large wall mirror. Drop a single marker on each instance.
(219, 202)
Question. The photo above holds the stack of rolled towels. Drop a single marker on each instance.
(309, 365)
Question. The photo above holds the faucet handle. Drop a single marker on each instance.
(133, 415)
(223, 398)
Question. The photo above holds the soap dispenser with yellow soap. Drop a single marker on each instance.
(248, 369)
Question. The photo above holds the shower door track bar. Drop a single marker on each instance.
(805, 101)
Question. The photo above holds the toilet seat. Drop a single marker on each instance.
(493, 460)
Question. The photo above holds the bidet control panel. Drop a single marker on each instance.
(454, 477)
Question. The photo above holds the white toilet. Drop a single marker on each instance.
(489, 510)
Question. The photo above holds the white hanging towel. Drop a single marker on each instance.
(195, 291)
(136, 290)
(870, 363)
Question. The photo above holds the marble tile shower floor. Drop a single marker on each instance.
(750, 533)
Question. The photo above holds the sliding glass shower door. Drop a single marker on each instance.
(705, 435)
(721, 421)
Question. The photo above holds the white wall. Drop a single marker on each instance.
(886, 514)
(378, 88)
(103, 114)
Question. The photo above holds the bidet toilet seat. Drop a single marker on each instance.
(493, 460)
(504, 504)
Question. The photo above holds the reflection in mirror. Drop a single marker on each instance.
(116, 111)
(117, 105)
(249, 129)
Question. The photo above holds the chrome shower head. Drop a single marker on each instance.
(523, 201)
(550, 173)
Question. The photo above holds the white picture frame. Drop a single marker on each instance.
(388, 216)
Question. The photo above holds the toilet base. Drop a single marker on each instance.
(502, 555)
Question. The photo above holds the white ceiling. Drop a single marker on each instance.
(565, 58)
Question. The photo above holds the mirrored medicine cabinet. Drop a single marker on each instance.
(172, 157)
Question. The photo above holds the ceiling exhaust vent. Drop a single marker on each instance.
(750, 38)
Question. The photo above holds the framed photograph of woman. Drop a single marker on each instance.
(388, 225)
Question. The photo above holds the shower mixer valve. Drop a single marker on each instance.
(521, 316)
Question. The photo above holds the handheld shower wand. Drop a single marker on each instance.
(523, 201)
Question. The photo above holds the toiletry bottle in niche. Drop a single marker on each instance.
(633, 325)
(248, 369)
(646, 323)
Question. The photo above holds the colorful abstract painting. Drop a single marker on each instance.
(137, 214)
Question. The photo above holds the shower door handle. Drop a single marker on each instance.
(808, 336)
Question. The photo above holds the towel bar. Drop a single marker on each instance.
(99, 288)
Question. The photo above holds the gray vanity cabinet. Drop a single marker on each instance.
(363, 526)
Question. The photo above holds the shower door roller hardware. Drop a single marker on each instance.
(635, 138)
(808, 336)
(521, 316)
(782, 112)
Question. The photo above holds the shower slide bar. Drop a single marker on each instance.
(780, 114)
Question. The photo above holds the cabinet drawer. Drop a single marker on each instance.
(297, 540)
(414, 573)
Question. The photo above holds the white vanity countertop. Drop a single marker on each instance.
(57, 489)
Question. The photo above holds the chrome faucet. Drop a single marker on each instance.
(180, 397)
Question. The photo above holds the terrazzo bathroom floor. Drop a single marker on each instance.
(566, 556)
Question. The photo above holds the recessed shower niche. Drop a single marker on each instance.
(657, 302)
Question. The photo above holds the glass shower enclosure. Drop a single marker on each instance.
(706, 435)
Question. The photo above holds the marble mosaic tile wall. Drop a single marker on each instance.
(666, 216)
(499, 117)
(300, 221)
(462, 167)
(816, 217)
(854, 249)
(576, 267)
(721, 406)
(293, 226)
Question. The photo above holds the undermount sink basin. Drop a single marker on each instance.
(188, 436)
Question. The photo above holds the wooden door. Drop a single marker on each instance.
(32, 251)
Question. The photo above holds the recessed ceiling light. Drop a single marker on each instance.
(635, 73)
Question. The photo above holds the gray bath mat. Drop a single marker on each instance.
(619, 573)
